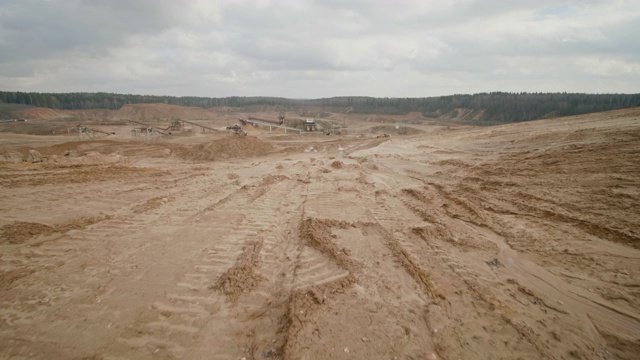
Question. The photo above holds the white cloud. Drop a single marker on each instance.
(319, 48)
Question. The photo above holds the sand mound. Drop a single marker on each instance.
(81, 146)
(226, 148)
(162, 111)
(21, 231)
(241, 277)
(66, 158)
(96, 158)
(11, 157)
(41, 114)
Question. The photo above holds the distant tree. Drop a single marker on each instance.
(496, 107)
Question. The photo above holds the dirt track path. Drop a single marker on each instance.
(518, 241)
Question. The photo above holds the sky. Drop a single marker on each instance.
(319, 48)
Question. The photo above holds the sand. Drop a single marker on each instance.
(520, 241)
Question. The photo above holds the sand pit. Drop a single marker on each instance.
(519, 241)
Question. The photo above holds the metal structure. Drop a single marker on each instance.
(202, 127)
(335, 129)
(88, 132)
(83, 130)
(146, 130)
(176, 125)
(280, 120)
(237, 129)
(149, 128)
(310, 125)
(149, 132)
(270, 123)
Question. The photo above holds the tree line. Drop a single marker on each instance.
(487, 108)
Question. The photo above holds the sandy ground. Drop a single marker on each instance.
(513, 242)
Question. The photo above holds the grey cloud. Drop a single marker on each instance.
(37, 28)
(318, 47)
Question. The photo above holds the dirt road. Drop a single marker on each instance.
(513, 242)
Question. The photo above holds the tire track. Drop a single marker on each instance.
(490, 297)
(113, 256)
(241, 228)
(359, 272)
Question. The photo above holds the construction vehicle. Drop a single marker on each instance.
(237, 129)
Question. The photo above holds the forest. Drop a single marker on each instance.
(481, 108)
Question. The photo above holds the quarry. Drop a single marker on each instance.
(158, 232)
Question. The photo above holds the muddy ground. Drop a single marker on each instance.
(519, 241)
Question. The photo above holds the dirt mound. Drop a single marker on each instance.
(96, 158)
(61, 149)
(41, 114)
(21, 231)
(68, 157)
(12, 157)
(68, 173)
(273, 179)
(241, 277)
(163, 111)
(226, 148)
(337, 164)
(317, 234)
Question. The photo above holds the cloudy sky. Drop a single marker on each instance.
(319, 48)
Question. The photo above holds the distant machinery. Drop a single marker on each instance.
(310, 125)
(237, 129)
(203, 128)
(146, 130)
(280, 120)
(149, 132)
(256, 122)
(334, 130)
(176, 125)
(88, 132)
(83, 130)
